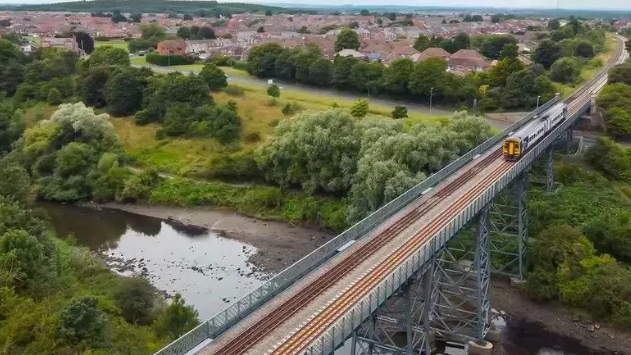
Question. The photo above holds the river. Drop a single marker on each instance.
(211, 270)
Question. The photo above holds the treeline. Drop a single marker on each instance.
(615, 99)
(509, 84)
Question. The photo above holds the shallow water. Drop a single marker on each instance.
(211, 271)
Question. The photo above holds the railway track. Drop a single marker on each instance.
(365, 284)
(260, 329)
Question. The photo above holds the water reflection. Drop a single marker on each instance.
(208, 270)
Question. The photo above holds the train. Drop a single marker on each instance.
(518, 143)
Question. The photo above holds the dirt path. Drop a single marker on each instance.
(279, 244)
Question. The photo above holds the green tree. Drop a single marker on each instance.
(546, 53)
(554, 25)
(397, 75)
(422, 43)
(184, 32)
(366, 77)
(273, 91)
(428, 74)
(347, 39)
(461, 41)
(135, 299)
(509, 51)
(317, 150)
(400, 112)
(136, 17)
(15, 183)
(124, 91)
(268, 13)
(364, 12)
(54, 97)
(519, 90)
(108, 55)
(214, 77)
(564, 70)
(12, 125)
(206, 33)
(342, 70)
(493, 45)
(261, 29)
(321, 72)
(12, 69)
(284, 66)
(82, 321)
(621, 73)
(118, 17)
(553, 248)
(152, 31)
(499, 73)
(85, 42)
(627, 46)
(23, 255)
(360, 108)
(262, 60)
(93, 86)
(584, 49)
(177, 318)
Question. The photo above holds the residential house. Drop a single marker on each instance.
(63, 43)
(432, 52)
(172, 47)
(467, 60)
(350, 53)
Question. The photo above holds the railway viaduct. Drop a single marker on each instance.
(416, 269)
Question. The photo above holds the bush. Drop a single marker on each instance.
(239, 166)
(253, 137)
(54, 97)
(135, 299)
(168, 60)
(234, 90)
(360, 108)
(565, 70)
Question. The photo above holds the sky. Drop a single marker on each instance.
(566, 4)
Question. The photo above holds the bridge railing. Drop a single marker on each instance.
(225, 319)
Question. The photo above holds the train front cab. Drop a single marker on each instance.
(512, 148)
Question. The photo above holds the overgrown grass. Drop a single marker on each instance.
(40, 111)
(260, 201)
(116, 44)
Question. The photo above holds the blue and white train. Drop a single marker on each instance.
(519, 142)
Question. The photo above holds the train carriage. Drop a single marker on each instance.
(517, 143)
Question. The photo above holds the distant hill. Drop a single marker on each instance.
(149, 6)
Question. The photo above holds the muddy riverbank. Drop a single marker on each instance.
(278, 244)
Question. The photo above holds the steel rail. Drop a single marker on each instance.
(253, 334)
(319, 323)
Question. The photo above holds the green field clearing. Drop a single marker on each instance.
(117, 44)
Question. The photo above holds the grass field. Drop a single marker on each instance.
(196, 68)
(117, 44)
